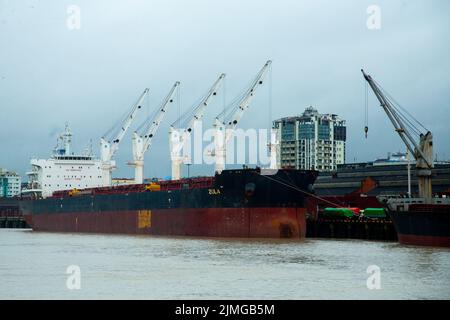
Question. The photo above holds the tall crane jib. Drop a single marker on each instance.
(181, 130)
(109, 147)
(406, 127)
(226, 122)
(142, 142)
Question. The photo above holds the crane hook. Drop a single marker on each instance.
(366, 129)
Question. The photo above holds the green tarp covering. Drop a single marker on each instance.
(338, 213)
(375, 213)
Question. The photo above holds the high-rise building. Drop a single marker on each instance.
(311, 141)
(10, 184)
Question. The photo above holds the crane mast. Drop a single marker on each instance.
(224, 128)
(141, 143)
(108, 148)
(422, 151)
(177, 140)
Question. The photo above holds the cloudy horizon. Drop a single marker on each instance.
(51, 74)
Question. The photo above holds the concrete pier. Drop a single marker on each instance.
(13, 222)
(10, 215)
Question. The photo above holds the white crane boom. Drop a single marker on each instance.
(422, 151)
(141, 143)
(224, 126)
(200, 110)
(108, 148)
(177, 140)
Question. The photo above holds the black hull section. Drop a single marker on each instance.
(245, 188)
(247, 203)
(423, 225)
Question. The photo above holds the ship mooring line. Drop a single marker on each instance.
(342, 203)
(300, 190)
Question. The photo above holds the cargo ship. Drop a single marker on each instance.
(244, 203)
(419, 222)
(424, 220)
(65, 196)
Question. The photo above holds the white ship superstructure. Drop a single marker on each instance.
(64, 170)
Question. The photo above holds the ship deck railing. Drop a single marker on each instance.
(167, 185)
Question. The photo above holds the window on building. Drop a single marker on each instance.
(288, 131)
(324, 132)
(340, 133)
(306, 131)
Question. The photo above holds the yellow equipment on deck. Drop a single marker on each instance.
(153, 187)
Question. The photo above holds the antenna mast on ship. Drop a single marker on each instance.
(177, 140)
(63, 142)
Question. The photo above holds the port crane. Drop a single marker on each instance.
(108, 148)
(405, 127)
(177, 139)
(142, 142)
(226, 122)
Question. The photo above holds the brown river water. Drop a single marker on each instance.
(33, 265)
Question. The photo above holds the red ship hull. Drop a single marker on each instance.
(434, 241)
(268, 222)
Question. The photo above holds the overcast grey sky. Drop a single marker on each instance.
(89, 77)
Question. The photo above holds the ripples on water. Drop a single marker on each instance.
(33, 266)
